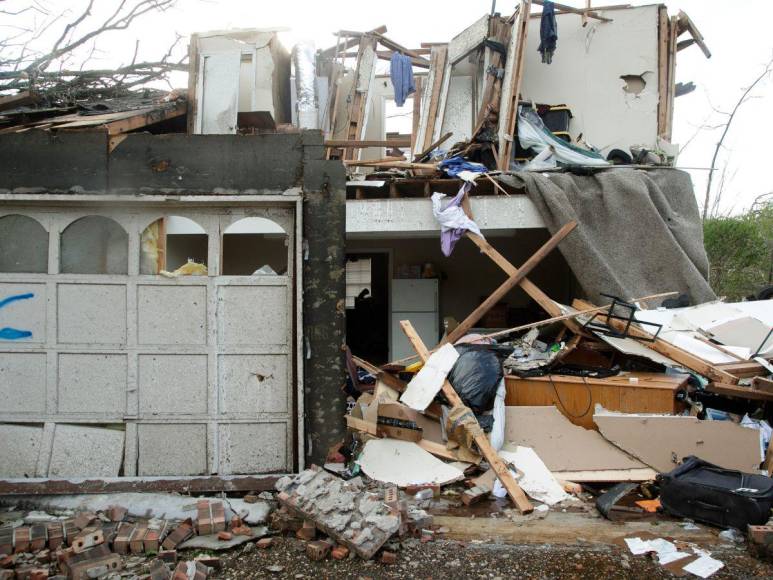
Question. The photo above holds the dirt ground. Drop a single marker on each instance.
(451, 559)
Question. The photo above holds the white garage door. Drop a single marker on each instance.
(108, 367)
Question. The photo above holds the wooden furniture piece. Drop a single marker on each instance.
(577, 397)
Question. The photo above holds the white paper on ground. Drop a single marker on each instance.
(669, 557)
(637, 546)
(429, 380)
(704, 566)
(404, 463)
(536, 481)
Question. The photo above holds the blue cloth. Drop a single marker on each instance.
(548, 32)
(401, 73)
(456, 164)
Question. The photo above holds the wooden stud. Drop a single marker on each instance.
(484, 445)
(510, 283)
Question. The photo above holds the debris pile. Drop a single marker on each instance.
(110, 543)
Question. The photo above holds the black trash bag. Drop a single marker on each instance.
(486, 422)
(475, 377)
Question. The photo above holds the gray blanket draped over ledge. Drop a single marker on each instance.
(639, 232)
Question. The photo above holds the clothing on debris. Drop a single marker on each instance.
(548, 32)
(454, 223)
(401, 74)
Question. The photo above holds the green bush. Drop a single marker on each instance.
(740, 251)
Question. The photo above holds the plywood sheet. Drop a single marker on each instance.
(560, 444)
(429, 380)
(662, 441)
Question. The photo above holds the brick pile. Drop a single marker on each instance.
(90, 546)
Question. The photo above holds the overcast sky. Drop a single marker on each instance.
(737, 33)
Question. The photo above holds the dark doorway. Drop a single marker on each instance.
(367, 309)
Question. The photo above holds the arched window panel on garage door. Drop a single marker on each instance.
(23, 245)
(94, 245)
(174, 244)
(255, 246)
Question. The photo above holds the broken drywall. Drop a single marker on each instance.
(429, 380)
(404, 463)
(563, 446)
(533, 475)
(605, 72)
(662, 441)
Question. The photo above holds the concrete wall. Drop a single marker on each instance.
(586, 76)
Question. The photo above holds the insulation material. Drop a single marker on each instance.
(304, 61)
(429, 380)
(533, 475)
(662, 441)
(404, 463)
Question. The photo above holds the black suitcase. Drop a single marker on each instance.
(722, 497)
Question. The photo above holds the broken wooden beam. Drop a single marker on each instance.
(354, 143)
(352, 39)
(510, 283)
(481, 440)
(578, 11)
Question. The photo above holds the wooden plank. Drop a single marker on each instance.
(387, 55)
(350, 42)
(683, 357)
(436, 449)
(743, 370)
(576, 397)
(419, 156)
(689, 25)
(431, 96)
(738, 392)
(354, 143)
(511, 85)
(573, 10)
(193, 81)
(481, 441)
(360, 93)
(663, 76)
(671, 82)
(392, 45)
(388, 378)
(18, 100)
(762, 384)
(510, 283)
(416, 113)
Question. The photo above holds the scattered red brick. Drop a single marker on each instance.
(224, 536)
(340, 553)
(318, 550)
(265, 543)
(388, 557)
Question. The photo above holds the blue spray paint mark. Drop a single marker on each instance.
(6, 301)
(13, 334)
(9, 333)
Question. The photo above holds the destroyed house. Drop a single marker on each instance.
(188, 279)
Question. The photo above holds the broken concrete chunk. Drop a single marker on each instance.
(359, 520)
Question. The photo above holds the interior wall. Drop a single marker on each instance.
(182, 247)
(245, 253)
(586, 72)
(467, 276)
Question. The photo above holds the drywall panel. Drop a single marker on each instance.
(458, 115)
(562, 445)
(23, 382)
(587, 75)
(468, 40)
(662, 441)
(91, 314)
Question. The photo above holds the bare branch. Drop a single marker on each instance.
(741, 101)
